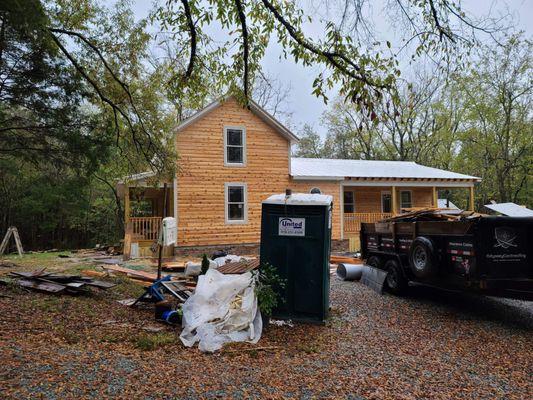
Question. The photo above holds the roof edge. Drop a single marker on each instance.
(255, 108)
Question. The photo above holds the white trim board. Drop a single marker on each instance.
(225, 133)
(233, 221)
(438, 184)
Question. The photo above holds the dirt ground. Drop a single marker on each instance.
(429, 345)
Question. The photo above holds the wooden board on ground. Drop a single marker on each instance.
(239, 267)
(343, 259)
(140, 275)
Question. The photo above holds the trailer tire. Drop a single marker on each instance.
(422, 258)
(375, 261)
(395, 280)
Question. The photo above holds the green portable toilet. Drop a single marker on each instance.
(296, 240)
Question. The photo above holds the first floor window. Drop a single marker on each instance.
(349, 203)
(405, 199)
(386, 202)
(235, 202)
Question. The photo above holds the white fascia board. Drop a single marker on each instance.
(317, 178)
(440, 184)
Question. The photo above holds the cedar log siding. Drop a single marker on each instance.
(202, 175)
(331, 188)
(368, 198)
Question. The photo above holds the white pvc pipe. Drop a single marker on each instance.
(350, 272)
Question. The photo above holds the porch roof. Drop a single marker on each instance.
(335, 169)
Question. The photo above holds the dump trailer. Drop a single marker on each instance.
(491, 255)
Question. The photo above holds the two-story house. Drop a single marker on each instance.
(232, 158)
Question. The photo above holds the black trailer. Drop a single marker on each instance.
(491, 255)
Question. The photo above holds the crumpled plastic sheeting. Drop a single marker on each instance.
(223, 309)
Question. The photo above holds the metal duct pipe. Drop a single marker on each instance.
(350, 272)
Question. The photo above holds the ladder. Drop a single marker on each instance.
(11, 231)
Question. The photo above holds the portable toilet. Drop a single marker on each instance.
(296, 240)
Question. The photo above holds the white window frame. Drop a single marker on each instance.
(313, 188)
(352, 203)
(410, 194)
(226, 204)
(381, 198)
(234, 164)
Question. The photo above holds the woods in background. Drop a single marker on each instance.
(90, 94)
(478, 122)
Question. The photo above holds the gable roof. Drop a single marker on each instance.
(334, 169)
(255, 108)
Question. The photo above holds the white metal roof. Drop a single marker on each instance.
(511, 209)
(300, 199)
(334, 169)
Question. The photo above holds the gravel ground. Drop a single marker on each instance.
(430, 345)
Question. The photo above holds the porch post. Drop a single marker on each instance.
(471, 198)
(341, 206)
(394, 201)
(435, 197)
(126, 206)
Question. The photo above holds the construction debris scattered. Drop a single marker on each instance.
(58, 283)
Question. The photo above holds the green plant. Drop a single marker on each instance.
(268, 285)
(205, 265)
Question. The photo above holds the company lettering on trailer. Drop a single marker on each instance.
(461, 248)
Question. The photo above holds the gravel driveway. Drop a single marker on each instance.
(430, 345)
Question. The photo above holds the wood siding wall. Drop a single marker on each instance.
(202, 175)
(368, 198)
(326, 187)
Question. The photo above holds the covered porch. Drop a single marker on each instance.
(146, 203)
(371, 201)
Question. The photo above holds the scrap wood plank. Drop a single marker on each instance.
(42, 286)
(239, 267)
(344, 259)
(140, 275)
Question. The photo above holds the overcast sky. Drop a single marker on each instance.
(305, 107)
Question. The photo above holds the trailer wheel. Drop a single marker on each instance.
(375, 261)
(396, 281)
(422, 258)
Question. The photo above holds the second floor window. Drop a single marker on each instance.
(234, 146)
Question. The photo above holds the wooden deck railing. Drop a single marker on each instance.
(146, 228)
(352, 221)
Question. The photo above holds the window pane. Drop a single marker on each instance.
(405, 197)
(348, 197)
(386, 202)
(236, 211)
(348, 208)
(234, 137)
(234, 154)
(235, 194)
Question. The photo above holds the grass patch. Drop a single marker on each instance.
(149, 342)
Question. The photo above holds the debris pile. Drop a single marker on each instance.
(433, 214)
(58, 283)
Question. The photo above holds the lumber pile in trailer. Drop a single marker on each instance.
(433, 214)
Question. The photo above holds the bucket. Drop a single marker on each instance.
(350, 272)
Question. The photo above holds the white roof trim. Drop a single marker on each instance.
(254, 108)
(377, 170)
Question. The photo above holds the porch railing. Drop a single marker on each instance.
(352, 221)
(145, 228)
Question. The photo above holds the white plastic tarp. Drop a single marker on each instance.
(222, 309)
